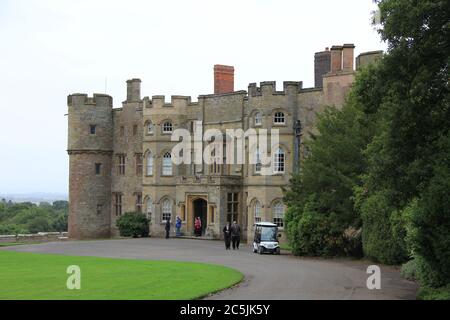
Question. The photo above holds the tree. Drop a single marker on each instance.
(321, 210)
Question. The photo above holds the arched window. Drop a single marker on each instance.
(149, 164)
(258, 119)
(149, 127)
(166, 210)
(149, 209)
(278, 213)
(167, 164)
(257, 211)
(167, 127)
(258, 164)
(278, 161)
(279, 118)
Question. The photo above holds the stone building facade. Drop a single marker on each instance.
(120, 158)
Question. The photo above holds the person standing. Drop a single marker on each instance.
(198, 226)
(178, 226)
(167, 228)
(235, 235)
(227, 235)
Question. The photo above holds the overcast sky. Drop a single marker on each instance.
(51, 48)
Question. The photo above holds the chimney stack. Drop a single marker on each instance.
(322, 65)
(336, 59)
(348, 57)
(133, 90)
(223, 79)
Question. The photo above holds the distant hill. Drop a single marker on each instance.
(34, 197)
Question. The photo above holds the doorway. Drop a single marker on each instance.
(200, 210)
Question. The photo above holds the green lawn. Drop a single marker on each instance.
(43, 276)
(8, 244)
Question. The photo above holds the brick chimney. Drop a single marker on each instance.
(223, 79)
(348, 56)
(336, 59)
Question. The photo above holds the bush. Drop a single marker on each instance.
(409, 270)
(442, 293)
(133, 224)
(381, 233)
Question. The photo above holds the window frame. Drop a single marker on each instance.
(279, 161)
(166, 125)
(278, 213)
(165, 166)
(277, 117)
(166, 210)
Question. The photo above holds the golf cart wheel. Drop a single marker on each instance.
(277, 251)
(260, 250)
(254, 250)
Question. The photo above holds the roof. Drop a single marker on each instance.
(265, 224)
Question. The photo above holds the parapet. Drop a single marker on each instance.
(82, 99)
(159, 101)
(269, 88)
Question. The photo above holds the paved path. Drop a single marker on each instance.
(266, 276)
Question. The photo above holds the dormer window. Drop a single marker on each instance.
(167, 127)
(258, 119)
(279, 118)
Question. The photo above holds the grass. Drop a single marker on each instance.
(8, 244)
(285, 246)
(43, 277)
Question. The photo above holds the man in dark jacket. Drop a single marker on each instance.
(167, 228)
(227, 235)
(235, 235)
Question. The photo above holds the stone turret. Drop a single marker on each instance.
(90, 148)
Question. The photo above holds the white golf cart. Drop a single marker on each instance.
(266, 238)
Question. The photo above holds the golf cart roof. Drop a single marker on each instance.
(265, 224)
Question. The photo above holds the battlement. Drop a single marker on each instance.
(269, 88)
(82, 99)
(159, 101)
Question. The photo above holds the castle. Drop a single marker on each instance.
(120, 158)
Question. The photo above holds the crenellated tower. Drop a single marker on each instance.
(90, 148)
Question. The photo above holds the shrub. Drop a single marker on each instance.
(133, 224)
(381, 231)
(409, 270)
(427, 293)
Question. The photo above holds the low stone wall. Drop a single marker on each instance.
(36, 237)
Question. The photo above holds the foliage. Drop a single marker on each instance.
(133, 224)
(427, 293)
(320, 198)
(409, 270)
(106, 278)
(27, 217)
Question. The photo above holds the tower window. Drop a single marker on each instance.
(122, 131)
(121, 164)
(118, 203)
(92, 128)
(134, 130)
(149, 127)
(99, 208)
(98, 168)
